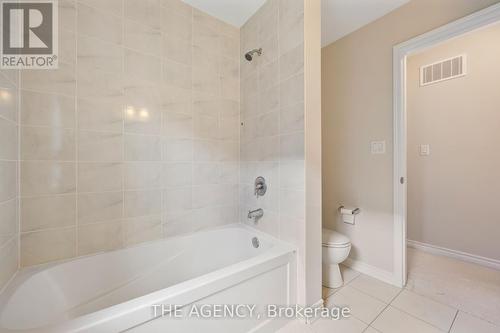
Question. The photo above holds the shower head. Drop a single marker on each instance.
(249, 54)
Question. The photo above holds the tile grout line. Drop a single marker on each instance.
(372, 296)
(77, 134)
(415, 317)
(123, 163)
(453, 322)
(18, 171)
(384, 309)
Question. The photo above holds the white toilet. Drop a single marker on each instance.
(336, 248)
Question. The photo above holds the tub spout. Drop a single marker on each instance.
(256, 214)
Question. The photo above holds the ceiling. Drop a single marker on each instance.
(341, 17)
(234, 12)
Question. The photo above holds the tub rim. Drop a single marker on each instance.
(199, 287)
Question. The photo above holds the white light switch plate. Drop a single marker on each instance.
(378, 147)
(425, 150)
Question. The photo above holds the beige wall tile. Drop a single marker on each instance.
(292, 63)
(8, 100)
(95, 53)
(141, 229)
(142, 120)
(291, 24)
(52, 110)
(175, 25)
(67, 14)
(229, 47)
(178, 174)
(269, 100)
(142, 175)
(123, 102)
(292, 146)
(112, 6)
(292, 203)
(100, 177)
(178, 150)
(49, 245)
(45, 143)
(206, 80)
(9, 260)
(97, 23)
(58, 81)
(268, 16)
(38, 213)
(43, 178)
(8, 140)
(177, 49)
(143, 38)
(100, 115)
(178, 6)
(99, 85)
(177, 125)
(99, 237)
(292, 175)
(144, 11)
(271, 47)
(100, 146)
(292, 91)
(176, 74)
(269, 76)
(67, 46)
(205, 37)
(142, 148)
(99, 207)
(9, 226)
(176, 200)
(292, 118)
(142, 203)
(206, 173)
(142, 67)
(205, 127)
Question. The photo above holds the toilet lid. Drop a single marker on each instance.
(333, 238)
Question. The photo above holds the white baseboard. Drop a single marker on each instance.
(433, 249)
(372, 271)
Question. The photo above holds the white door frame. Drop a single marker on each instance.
(401, 51)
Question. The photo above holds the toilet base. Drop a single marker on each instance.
(332, 278)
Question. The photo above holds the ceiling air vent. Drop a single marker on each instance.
(443, 70)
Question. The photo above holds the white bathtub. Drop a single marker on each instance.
(115, 291)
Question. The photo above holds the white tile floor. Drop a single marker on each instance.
(378, 307)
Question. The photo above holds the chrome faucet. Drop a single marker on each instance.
(255, 214)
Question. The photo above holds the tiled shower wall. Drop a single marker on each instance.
(272, 112)
(136, 135)
(9, 159)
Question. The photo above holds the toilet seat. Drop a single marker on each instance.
(331, 238)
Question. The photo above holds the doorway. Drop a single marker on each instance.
(401, 53)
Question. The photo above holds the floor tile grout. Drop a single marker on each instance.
(385, 308)
(453, 322)
(372, 296)
(391, 303)
(425, 296)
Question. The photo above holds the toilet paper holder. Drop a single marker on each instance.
(355, 211)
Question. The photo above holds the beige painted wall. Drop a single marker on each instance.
(357, 108)
(453, 192)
